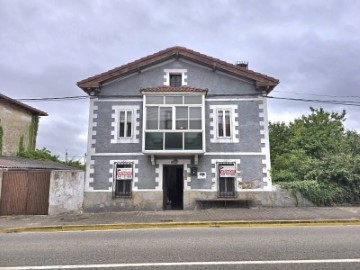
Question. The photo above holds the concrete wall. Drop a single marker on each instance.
(152, 200)
(15, 123)
(66, 192)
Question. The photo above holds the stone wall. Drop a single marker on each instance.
(66, 192)
(15, 123)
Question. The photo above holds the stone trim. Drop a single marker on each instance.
(234, 121)
(115, 124)
(265, 145)
(175, 71)
(159, 172)
(91, 144)
(89, 180)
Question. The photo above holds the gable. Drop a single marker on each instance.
(261, 81)
(196, 76)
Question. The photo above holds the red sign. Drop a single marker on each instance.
(124, 173)
(227, 170)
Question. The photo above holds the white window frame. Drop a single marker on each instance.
(173, 126)
(234, 124)
(126, 112)
(223, 123)
(134, 109)
(181, 72)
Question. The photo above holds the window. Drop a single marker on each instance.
(175, 80)
(125, 124)
(175, 77)
(224, 123)
(123, 179)
(173, 122)
(227, 176)
(224, 129)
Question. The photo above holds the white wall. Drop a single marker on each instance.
(66, 193)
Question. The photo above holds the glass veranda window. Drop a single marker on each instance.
(173, 122)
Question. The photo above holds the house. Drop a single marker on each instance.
(18, 126)
(175, 129)
(38, 187)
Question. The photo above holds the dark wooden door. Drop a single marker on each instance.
(25, 193)
(14, 193)
(38, 193)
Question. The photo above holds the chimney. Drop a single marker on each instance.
(242, 64)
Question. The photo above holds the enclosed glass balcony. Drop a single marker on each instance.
(173, 141)
(174, 124)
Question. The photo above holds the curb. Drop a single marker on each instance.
(192, 224)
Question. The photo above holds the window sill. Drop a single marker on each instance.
(125, 140)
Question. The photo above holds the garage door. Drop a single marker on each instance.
(25, 193)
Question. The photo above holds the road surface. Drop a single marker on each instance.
(333, 247)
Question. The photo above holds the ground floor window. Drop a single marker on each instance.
(226, 180)
(123, 179)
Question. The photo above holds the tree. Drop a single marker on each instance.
(316, 156)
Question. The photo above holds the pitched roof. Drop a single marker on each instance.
(6, 99)
(17, 163)
(95, 82)
(164, 88)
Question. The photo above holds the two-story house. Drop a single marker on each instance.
(174, 128)
(18, 126)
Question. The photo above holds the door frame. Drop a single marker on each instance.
(175, 167)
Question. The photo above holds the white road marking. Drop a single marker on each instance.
(84, 266)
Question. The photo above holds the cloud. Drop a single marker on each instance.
(47, 46)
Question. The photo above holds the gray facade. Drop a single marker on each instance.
(244, 147)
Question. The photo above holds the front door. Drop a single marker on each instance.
(173, 186)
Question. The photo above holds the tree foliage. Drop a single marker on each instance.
(45, 154)
(316, 156)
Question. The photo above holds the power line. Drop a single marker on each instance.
(70, 98)
(53, 98)
(319, 95)
(336, 102)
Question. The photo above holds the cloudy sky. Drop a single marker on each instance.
(311, 46)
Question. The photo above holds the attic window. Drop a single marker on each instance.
(175, 80)
(175, 77)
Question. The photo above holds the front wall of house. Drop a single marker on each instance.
(248, 148)
(15, 123)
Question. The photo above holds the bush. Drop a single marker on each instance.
(319, 193)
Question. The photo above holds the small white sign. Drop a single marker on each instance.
(201, 175)
(227, 170)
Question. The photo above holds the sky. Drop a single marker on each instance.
(311, 46)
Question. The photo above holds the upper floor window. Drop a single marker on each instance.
(175, 80)
(126, 124)
(175, 77)
(224, 124)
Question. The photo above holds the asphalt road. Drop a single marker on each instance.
(335, 247)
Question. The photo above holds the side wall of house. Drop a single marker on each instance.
(248, 149)
(15, 123)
